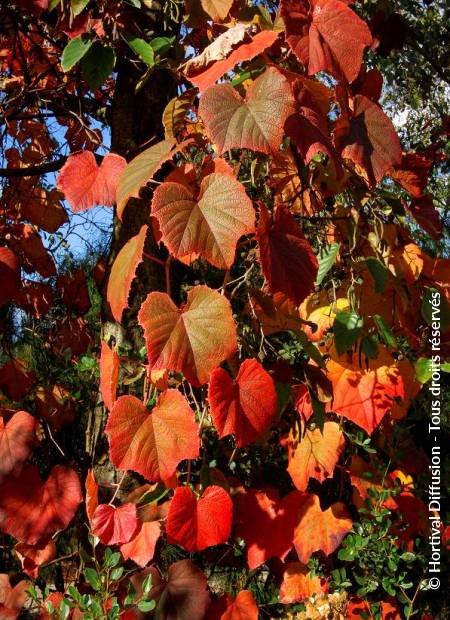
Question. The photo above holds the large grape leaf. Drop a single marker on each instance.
(208, 225)
(109, 374)
(86, 184)
(152, 443)
(245, 406)
(314, 455)
(198, 524)
(369, 139)
(326, 35)
(140, 170)
(256, 123)
(123, 271)
(183, 595)
(31, 510)
(193, 339)
(287, 259)
(298, 584)
(267, 523)
(224, 53)
(320, 530)
(17, 438)
(114, 524)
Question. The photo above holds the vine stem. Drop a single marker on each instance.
(119, 484)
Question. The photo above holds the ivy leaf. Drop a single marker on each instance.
(75, 50)
(98, 64)
(347, 327)
(327, 257)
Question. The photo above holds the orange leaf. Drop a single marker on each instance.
(86, 184)
(209, 225)
(320, 530)
(17, 438)
(243, 607)
(256, 123)
(109, 374)
(123, 272)
(32, 557)
(316, 455)
(152, 443)
(141, 548)
(91, 494)
(298, 584)
(193, 339)
(245, 406)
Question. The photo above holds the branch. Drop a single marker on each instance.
(32, 171)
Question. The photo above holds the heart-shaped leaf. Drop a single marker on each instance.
(17, 438)
(256, 123)
(152, 443)
(114, 525)
(198, 524)
(245, 406)
(193, 339)
(208, 225)
(141, 548)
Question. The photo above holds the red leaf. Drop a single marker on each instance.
(86, 184)
(183, 595)
(221, 56)
(426, 215)
(370, 140)
(298, 584)
(9, 276)
(209, 225)
(193, 339)
(198, 524)
(152, 443)
(17, 438)
(109, 374)
(287, 260)
(32, 557)
(243, 607)
(12, 599)
(320, 530)
(245, 406)
(256, 123)
(141, 548)
(114, 525)
(412, 173)
(34, 257)
(15, 380)
(35, 298)
(91, 494)
(316, 455)
(74, 291)
(123, 272)
(31, 510)
(326, 35)
(267, 523)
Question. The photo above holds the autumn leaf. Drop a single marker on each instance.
(9, 276)
(193, 339)
(298, 584)
(267, 523)
(32, 510)
(141, 547)
(114, 525)
(32, 557)
(320, 530)
(243, 607)
(86, 184)
(123, 272)
(256, 123)
(199, 524)
(152, 443)
(287, 259)
(12, 599)
(91, 500)
(109, 374)
(326, 35)
(245, 406)
(17, 439)
(314, 455)
(209, 224)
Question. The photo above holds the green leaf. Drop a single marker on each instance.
(147, 584)
(369, 346)
(385, 332)
(98, 64)
(117, 573)
(78, 6)
(310, 349)
(423, 369)
(326, 258)
(379, 273)
(75, 50)
(347, 327)
(146, 606)
(161, 45)
(111, 559)
(92, 577)
(143, 49)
